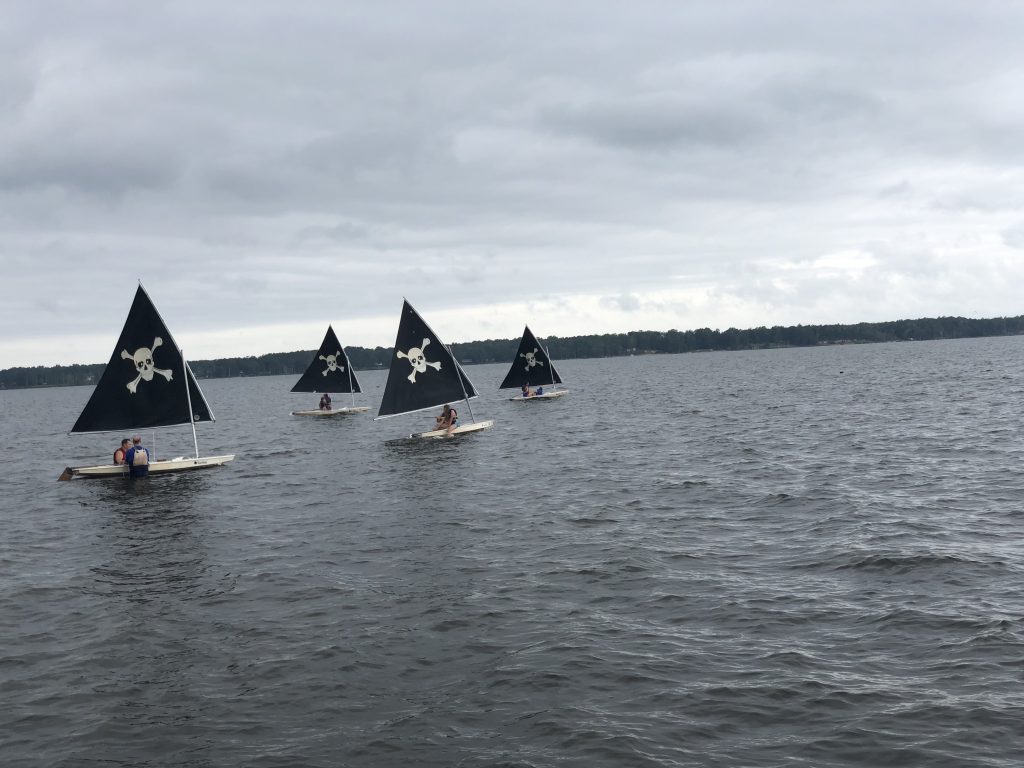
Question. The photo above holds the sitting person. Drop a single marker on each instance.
(121, 452)
(526, 391)
(325, 401)
(447, 419)
(540, 391)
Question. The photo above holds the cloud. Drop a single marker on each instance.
(1014, 236)
(583, 167)
(624, 302)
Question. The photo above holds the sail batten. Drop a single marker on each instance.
(531, 365)
(140, 387)
(424, 373)
(329, 370)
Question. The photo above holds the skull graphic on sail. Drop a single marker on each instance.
(418, 360)
(531, 359)
(143, 361)
(332, 363)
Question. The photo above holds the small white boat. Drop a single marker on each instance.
(321, 413)
(545, 396)
(532, 367)
(147, 384)
(475, 426)
(180, 464)
(424, 374)
(330, 371)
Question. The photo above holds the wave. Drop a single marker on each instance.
(903, 563)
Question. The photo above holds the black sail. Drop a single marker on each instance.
(424, 373)
(330, 370)
(144, 383)
(531, 365)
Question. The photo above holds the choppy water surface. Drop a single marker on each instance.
(804, 557)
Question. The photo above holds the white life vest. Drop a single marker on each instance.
(139, 457)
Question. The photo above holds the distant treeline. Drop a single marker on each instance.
(606, 345)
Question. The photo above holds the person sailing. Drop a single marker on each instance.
(447, 419)
(325, 401)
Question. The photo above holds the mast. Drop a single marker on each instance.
(348, 367)
(465, 395)
(188, 397)
(551, 366)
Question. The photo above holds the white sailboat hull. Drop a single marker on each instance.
(462, 430)
(545, 396)
(180, 464)
(334, 412)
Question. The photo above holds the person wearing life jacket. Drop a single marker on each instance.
(447, 419)
(325, 401)
(120, 453)
(137, 459)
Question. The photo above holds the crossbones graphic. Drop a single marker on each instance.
(332, 363)
(418, 361)
(530, 359)
(143, 360)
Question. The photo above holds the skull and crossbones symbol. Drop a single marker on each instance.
(530, 359)
(418, 360)
(143, 360)
(332, 363)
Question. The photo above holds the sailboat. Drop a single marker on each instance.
(425, 374)
(532, 366)
(330, 371)
(146, 384)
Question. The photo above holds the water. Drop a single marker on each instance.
(806, 557)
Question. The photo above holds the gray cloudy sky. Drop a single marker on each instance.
(267, 168)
